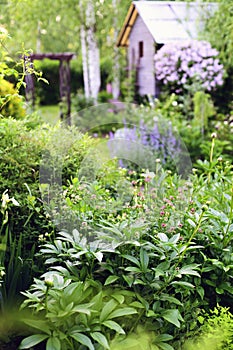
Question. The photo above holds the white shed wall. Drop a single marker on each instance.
(145, 64)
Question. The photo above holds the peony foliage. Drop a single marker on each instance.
(181, 64)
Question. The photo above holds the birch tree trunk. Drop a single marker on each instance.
(90, 51)
(116, 57)
(86, 78)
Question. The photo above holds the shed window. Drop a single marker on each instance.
(140, 47)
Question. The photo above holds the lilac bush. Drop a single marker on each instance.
(179, 65)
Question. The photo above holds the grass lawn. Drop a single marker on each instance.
(50, 114)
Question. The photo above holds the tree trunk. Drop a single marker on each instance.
(90, 52)
(86, 78)
(116, 58)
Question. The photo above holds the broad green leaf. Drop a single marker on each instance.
(201, 291)
(137, 304)
(165, 346)
(166, 297)
(133, 269)
(29, 342)
(84, 309)
(173, 316)
(101, 339)
(122, 312)
(164, 266)
(175, 238)
(83, 339)
(189, 270)
(119, 297)
(107, 309)
(222, 216)
(99, 256)
(191, 223)
(42, 325)
(114, 326)
(162, 237)
(132, 259)
(144, 259)
(183, 284)
(163, 337)
(111, 279)
(53, 343)
(129, 280)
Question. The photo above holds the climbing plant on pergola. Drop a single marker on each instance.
(64, 80)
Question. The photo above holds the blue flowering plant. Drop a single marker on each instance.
(180, 65)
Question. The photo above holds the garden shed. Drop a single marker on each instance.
(151, 24)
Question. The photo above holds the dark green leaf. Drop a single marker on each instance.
(144, 259)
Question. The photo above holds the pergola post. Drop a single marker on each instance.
(64, 80)
(64, 87)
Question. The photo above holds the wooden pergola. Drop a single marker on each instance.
(64, 79)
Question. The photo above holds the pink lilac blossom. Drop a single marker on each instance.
(177, 64)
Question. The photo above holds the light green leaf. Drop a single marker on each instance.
(42, 325)
(162, 237)
(107, 309)
(122, 312)
(99, 256)
(101, 339)
(183, 284)
(119, 297)
(189, 270)
(163, 337)
(114, 326)
(173, 316)
(137, 304)
(165, 346)
(82, 309)
(129, 280)
(83, 339)
(191, 223)
(53, 344)
(133, 269)
(175, 238)
(29, 342)
(111, 279)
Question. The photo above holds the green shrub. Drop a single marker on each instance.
(11, 104)
(215, 332)
(22, 144)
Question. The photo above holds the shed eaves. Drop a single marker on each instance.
(169, 21)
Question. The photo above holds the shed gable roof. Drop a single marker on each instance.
(167, 21)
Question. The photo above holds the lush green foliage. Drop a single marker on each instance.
(11, 104)
(175, 262)
(215, 332)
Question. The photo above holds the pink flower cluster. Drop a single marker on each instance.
(185, 63)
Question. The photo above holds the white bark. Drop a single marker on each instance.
(90, 53)
(86, 78)
(116, 63)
